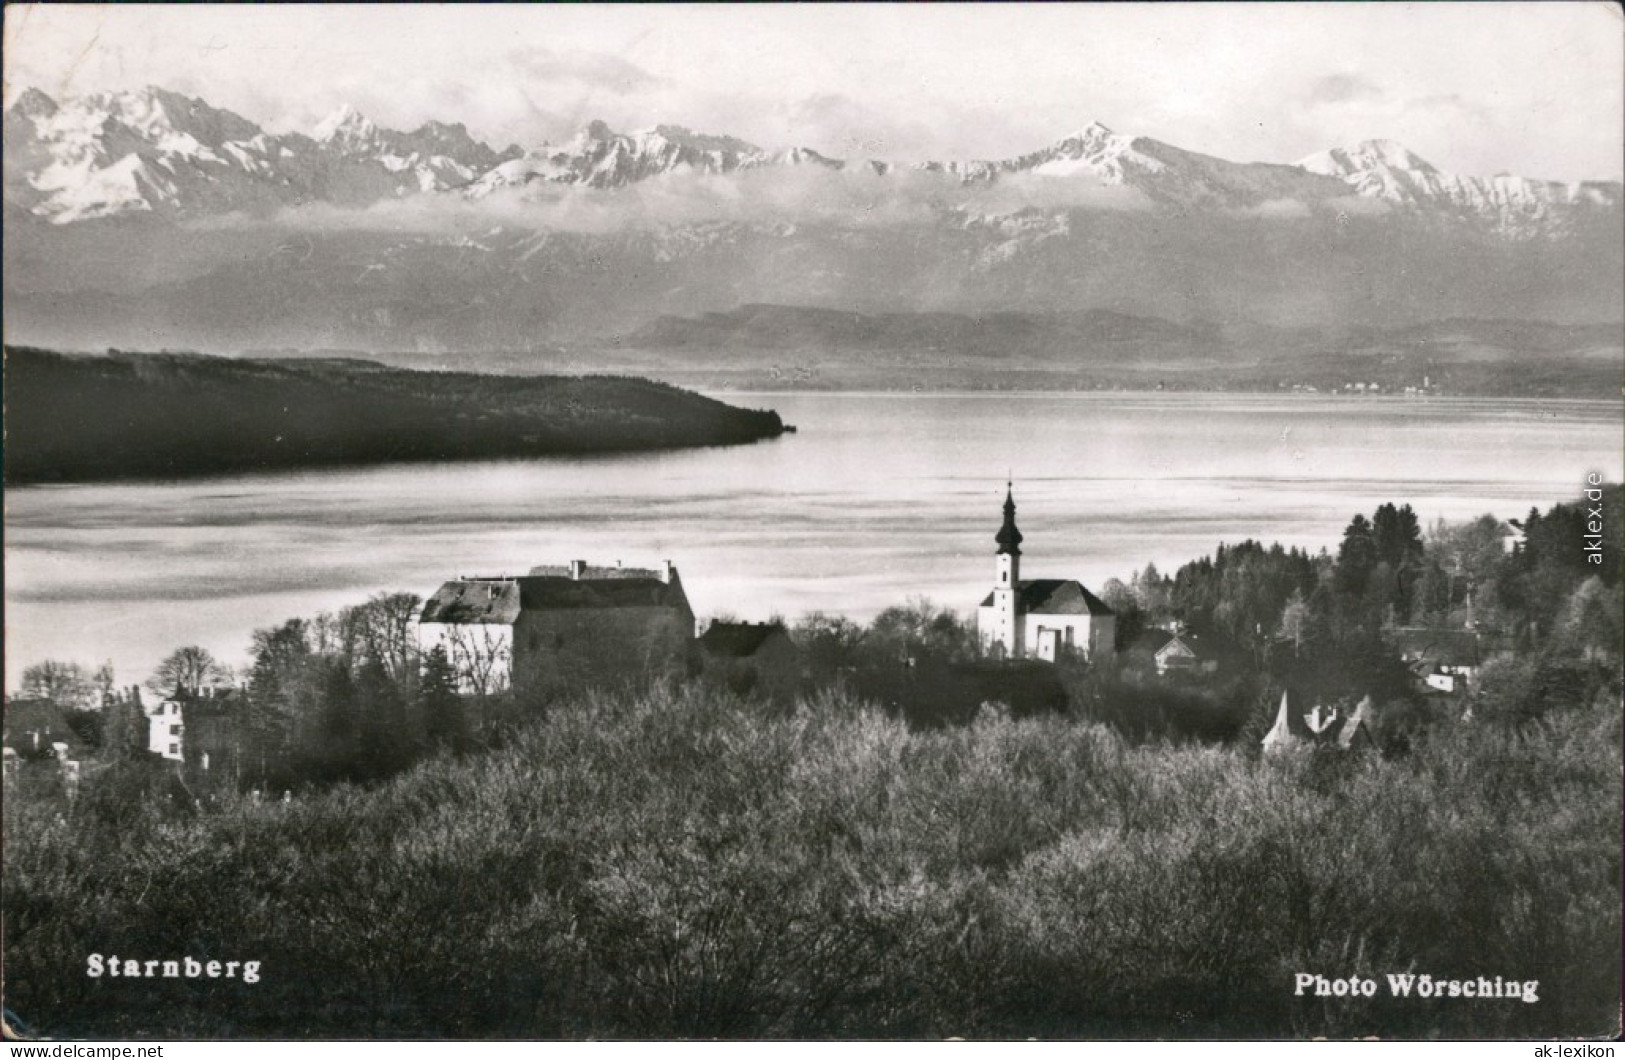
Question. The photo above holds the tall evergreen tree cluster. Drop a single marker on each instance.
(347, 697)
(1318, 621)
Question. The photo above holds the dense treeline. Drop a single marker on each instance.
(1547, 611)
(336, 697)
(76, 417)
(671, 865)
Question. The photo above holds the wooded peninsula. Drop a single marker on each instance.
(80, 417)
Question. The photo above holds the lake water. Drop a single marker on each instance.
(878, 498)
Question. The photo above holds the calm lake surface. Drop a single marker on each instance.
(878, 498)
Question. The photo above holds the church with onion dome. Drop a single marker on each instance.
(1039, 618)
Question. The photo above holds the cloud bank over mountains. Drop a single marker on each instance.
(156, 218)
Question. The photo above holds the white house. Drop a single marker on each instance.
(1043, 618)
(166, 730)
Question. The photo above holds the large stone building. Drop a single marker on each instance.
(560, 627)
(1042, 618)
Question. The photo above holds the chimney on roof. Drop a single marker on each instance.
(667, 571)
(578, 567)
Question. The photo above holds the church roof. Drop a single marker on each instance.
(1054, 596)
(1009, 538)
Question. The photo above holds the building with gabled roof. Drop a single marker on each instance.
(35, 726)
(1442, 660)
(1320, 727)
(741, 640)
(1179, 650)
(1041, 618)
(559, 626)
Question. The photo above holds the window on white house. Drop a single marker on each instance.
(174, 748)
(175, 729)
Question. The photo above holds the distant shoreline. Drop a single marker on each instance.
(1193, 396)
(848, 371)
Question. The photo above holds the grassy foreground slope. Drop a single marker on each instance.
(679, 864)
(76, 417)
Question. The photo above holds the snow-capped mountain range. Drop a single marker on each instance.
(160, 153)
(154, 219)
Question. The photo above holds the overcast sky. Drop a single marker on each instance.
(1476, 88)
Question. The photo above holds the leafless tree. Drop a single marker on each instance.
(188, 670)
(480, 656)
(63, 683)
(383, 629)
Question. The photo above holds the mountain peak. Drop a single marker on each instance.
(684, 137)
(1365, 156)
(345, 123)
(1391, 152)
(1092, 139)
(590, 137)
(32, 103)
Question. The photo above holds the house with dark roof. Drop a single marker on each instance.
(214, 738)
(1441, 660)
(751, 657)
(560, 627)
(1040, 618)
(36, 727)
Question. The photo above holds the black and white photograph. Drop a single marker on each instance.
(810, 522)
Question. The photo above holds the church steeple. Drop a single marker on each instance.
(1008, 537)
(1006, 622)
